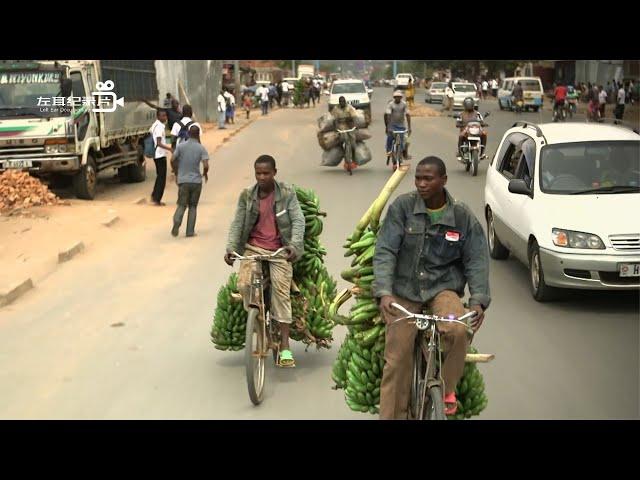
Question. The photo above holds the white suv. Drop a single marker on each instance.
(563, 199)
(354, 92)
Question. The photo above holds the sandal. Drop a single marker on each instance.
(285, 359)
(450, 399)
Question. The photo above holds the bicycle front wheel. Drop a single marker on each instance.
(417, 381)
(253, 356)
(434, 409)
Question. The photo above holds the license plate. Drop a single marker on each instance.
(18, 164)
(630, 270)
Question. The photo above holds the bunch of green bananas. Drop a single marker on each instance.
(230, 318)
(470, 392)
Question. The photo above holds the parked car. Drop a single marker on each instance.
(462, 90)
(533, 93)
(436, 92)
(563, 198)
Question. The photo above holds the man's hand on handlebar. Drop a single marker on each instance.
(228, 258)
(386, 308)
(290, 254)
(477, 321)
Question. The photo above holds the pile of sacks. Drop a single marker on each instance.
(330, 141)
(20, 190)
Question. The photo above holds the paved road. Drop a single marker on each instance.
(61, 358)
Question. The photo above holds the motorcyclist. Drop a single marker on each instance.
(559, 96)
(470, 115)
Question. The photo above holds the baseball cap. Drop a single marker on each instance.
(397, 93)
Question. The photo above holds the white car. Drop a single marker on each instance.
(462, 90)
(436, 92)
(354, 92)
(563, 199)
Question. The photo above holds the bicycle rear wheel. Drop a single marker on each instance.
(253, 356)
(417, 380)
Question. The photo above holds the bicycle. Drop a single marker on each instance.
(348, 153)
(262, 334)
(427, 392)
(397, 148)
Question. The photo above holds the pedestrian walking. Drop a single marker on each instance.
(279, 94)
(247, 102)
(485, 89)
(222, 110)
(186, 166)
(158, 132)
(447, 100)
(272, 94)
(494, 88)
(285, 93)
(602, 98)
(180, 129)
(230, 111)
(619, 111)
(263, 93)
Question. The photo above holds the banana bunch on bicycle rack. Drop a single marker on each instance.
(311, 295)
(331, 141)
(358, 366)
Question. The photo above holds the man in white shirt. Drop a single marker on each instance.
(263, 93)
(285, 93)
(447, 101)
(485, 89)
(619, 113)
(231, 106)
(494, 88)
(222, 110)
(602, 99)
(180, 129)
(157, 131)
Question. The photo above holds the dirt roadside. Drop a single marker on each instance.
(32, 240)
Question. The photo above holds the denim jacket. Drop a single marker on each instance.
(289, 218)
(416, 260)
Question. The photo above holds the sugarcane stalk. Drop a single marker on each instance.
(378, 206)
(479, 357)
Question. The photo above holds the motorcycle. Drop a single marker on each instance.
(560, 112)
(471, 150)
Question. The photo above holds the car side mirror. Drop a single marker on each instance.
(65, 87)
(519, 187)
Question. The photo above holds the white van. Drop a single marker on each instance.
(532, 91)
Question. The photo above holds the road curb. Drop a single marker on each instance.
(111, 220)
(66, 255)
(15, 292)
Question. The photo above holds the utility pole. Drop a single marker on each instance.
(236, 74)
(395, 68)
(293, 68)
(317, 67)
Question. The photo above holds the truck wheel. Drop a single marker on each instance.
(138, 170)
(123, 174)
(85, 181)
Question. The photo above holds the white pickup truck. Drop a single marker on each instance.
(402, 80)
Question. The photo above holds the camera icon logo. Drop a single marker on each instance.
(105, 96)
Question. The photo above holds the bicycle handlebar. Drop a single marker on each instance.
(345, 131)
(237, 256)
(430, 318)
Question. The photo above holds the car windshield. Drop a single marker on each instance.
(340, 88)
(439, 86)
(464, 87)
(20, 91)
(530, 85)
(590, 167)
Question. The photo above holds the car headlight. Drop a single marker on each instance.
(474, 130)
(51, 149)
(572, 239)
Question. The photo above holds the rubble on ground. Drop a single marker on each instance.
(19, 190)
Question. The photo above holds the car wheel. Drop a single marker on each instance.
(496, 249)
(539, 289)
